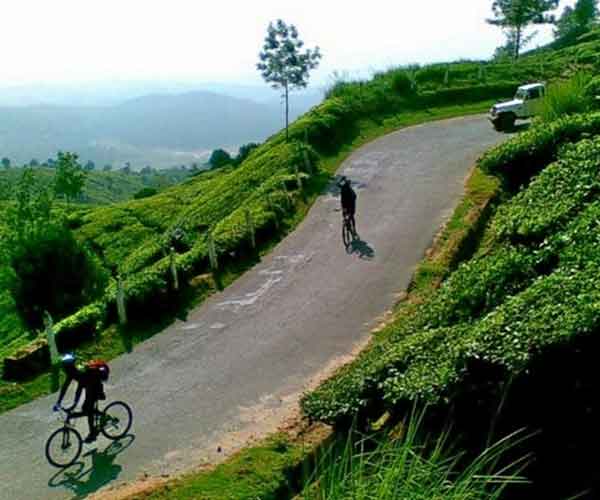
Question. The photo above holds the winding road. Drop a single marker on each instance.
(239, 362)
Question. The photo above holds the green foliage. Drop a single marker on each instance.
(566, 98)
(101, 187)
(283, 63)
(145, 193)
(411, 467)
(262, 471)
(592, 90)
(478, 286)
(53, 273)
(518, 159)
(403, 82)
(244, 152)
(576, 20)
(70, 176)
(559, 192)
(47, 268)
(516, 15)
(219, 158)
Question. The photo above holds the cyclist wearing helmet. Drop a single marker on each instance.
(89, 379)
(348, 197)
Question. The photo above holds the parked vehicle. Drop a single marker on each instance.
(526, 104)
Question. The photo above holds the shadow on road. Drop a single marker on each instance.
(362, 249)
(95, 470)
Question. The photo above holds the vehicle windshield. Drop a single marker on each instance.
(521, 94)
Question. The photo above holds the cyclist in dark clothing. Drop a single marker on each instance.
(91, 381)
(348, 197)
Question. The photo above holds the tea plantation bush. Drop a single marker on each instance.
(519, 159)
(558, 193)
(537, 289)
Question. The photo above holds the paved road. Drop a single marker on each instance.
(248, 351)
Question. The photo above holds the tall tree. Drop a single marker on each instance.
(70, 176)
(283, 64)
(6, 162)
(507, 51)
(516, 15)
(576, 20)
(219, 158)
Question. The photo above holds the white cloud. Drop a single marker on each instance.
(75, 40)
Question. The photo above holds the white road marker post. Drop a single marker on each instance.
(212, 252)
(288, 197)
(250, 227)
(298, 177)
(121, 308)
(54, 355)
(273, 209)
(173, 266)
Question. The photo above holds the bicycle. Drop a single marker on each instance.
(348, 230)
(64, 445)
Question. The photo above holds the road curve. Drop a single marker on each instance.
(248, 352)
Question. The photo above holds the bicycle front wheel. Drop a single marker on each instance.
(64, 447)
(116, 420)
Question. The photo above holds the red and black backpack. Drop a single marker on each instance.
(100, 367)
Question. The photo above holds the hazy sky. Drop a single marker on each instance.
(88, 40)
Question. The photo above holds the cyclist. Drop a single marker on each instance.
(90, 379)
(348, 198)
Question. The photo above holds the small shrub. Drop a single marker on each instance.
(402, 82)
(54, 273)
(145, 193)
(566, 98)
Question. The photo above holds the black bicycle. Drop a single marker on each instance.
(64, 445)
(348, 230)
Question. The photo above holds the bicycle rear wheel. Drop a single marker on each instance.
(116, 420)
(63, 447)
(346, 234)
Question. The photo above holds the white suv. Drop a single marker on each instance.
(526, 103)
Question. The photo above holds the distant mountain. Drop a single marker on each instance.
(160, 129)
(113, 93)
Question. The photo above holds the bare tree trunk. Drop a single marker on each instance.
(518, 43)
(287, 112)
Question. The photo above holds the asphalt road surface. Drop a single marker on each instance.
(249, 351)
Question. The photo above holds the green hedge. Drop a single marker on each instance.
(468, 94)
(519, 159)
(554, 196)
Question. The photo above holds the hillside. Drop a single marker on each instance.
(104, 187)
(160, 130)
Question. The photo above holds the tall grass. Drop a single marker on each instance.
(566, 98)
(409, 467)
